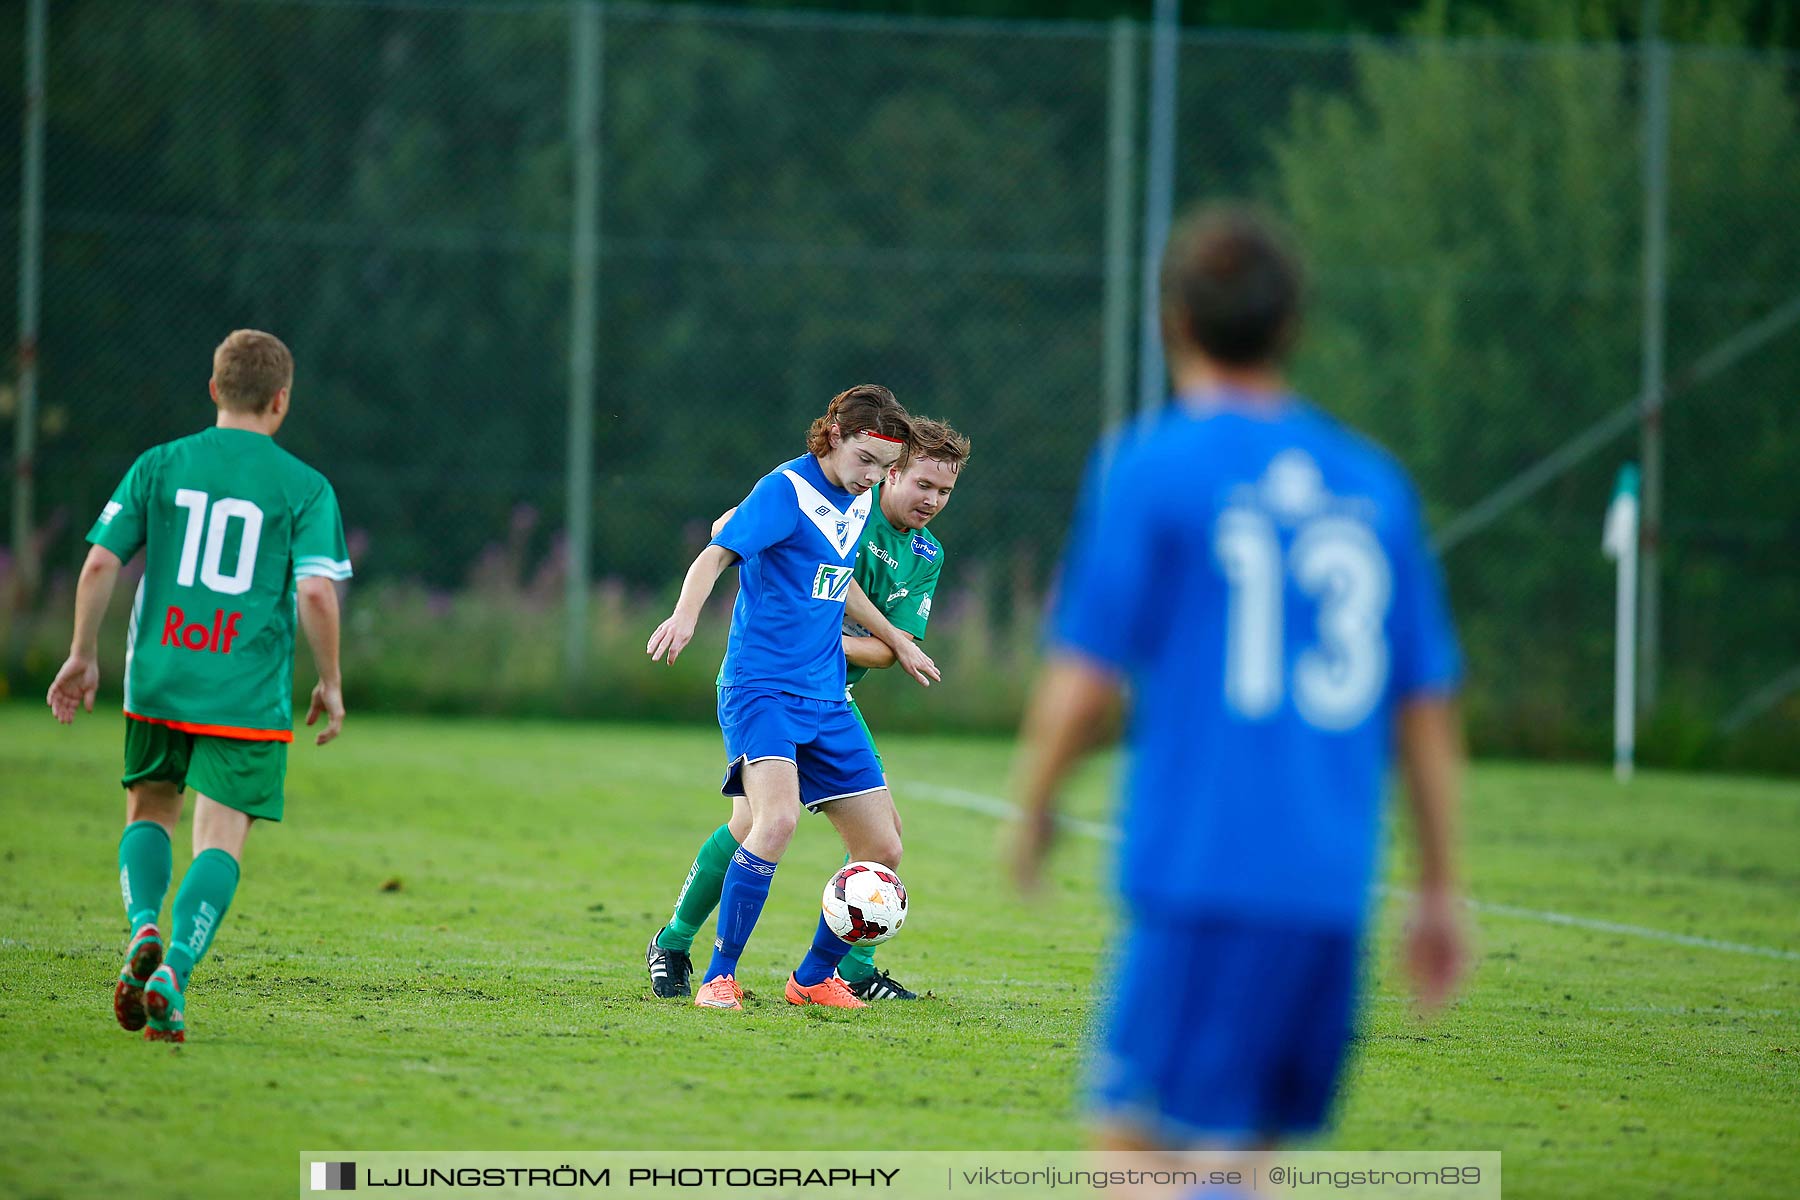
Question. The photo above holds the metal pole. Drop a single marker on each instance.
(1620, 542)
(31, 253)
(1656, 233)
(1159, 198)
(1115, 382)
(584, 280)
(1624, 718)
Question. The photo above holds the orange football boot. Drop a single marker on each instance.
(722, 992)
(832, 993)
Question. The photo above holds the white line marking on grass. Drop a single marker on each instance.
(994, 806)
(1660, 1010)
(1681, 1010)
(1660, 935)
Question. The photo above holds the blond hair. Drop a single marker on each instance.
(937, 441)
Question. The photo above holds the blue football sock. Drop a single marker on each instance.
(828, 949)
(740, 903)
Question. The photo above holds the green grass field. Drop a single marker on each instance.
(442, 948)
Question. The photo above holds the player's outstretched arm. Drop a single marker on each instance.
(1071, 699)
(886, 645)
(1431, 759)
(78, 680)
(869, 652)
(673, 635)
(318, 604)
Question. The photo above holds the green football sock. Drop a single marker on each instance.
(200, 905)
(859, 964)
(700, 894)
(145, 865)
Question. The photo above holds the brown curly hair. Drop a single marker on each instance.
(865, 408)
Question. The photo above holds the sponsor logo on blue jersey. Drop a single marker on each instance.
(921, 546)
(832, 582)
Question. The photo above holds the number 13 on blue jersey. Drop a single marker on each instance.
(1338, 563)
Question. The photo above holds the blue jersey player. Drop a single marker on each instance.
(791, 738)
(1258, 579)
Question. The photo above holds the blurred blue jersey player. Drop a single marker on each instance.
(1258, 578)
(791, 738)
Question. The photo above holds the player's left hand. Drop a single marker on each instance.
(915, 662)
(670, 638)
(1031, 846)
(330, 702)
(1437, 947)
(73, 688)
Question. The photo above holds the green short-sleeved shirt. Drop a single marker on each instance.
(228, 521)
(899, 570)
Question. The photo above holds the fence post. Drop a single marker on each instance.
(584, 279)
(31, 251)
(1159, 196)
(1121, 119)
(1655, 66)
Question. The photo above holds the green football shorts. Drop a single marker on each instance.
(239, 774)
(857, 713)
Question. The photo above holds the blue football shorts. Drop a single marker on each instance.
(822, 738)
(1224, 1032)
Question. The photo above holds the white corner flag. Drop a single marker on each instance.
(1620, 543)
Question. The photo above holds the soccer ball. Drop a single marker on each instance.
(865, 903)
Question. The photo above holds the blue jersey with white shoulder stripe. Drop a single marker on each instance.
(797, 534)
(1261, 577)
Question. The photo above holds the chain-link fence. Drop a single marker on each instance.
(790, 204)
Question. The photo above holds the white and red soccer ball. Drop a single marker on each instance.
(865, 903)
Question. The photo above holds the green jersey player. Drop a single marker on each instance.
(241, 540)
(898, 567)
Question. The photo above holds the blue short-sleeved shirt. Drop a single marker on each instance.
(1262, 578)
(797, 534)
